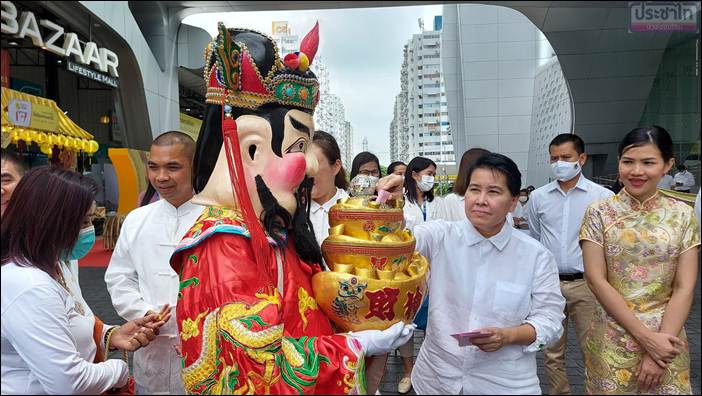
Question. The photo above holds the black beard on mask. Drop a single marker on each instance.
(276, 218)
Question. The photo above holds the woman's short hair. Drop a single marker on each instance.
(417, 164)
(655, 135)
(467, 160)
(330, 149)
(503, 164)
(43, 218)
(362, 158)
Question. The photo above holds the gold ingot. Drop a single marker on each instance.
(391, 238)
(413, 270)
(370, 304)
(401, 276)
(346, 249)
(337, 230)
(385, 274)
(361, 219)
(365, 272)
(343, 268)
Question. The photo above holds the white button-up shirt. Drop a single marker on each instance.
(504, 281)
(666, 182)
(319, 215)
(686, 179)
(454, 206)
(47, 343)
(139, 278)
(555, 218)
(414, 215)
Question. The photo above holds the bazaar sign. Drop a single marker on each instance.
(26, 25)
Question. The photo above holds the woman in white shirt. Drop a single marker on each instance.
(47, 329)
(454, 202)
(498, 285)
(329, 183)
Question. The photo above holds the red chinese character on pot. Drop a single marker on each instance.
(414, 300)
(382, 303)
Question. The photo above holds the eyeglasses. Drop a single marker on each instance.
(373, 172)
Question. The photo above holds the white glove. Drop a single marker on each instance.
(379, 342)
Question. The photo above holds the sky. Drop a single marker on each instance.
(362, 49)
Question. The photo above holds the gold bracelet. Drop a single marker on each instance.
(108, 335)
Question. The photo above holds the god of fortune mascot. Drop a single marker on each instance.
(246, 313)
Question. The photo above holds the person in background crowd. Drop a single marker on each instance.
(397, 168)
(641, 260)
(616, 187)
(420, 206)
(490, 281)
(555, 212)
(139, 277)
(12, 168)
(48, 343)
(520, 215)
(365, 163)
(684, 180)
(330, 182)
(667, 182)
(531, 189)
(454, 203)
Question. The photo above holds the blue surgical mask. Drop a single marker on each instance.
(85, 242)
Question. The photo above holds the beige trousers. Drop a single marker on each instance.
(580, 306)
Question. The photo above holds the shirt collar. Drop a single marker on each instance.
(582, 184)
(499, 240)
(649, 204)
(182, 210)
(314, 206)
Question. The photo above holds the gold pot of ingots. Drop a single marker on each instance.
(376, 277)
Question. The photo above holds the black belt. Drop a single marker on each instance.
(570, 277)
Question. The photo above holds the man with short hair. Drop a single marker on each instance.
(12, 168)
(139, 277)
(684, 180)
(555, 214)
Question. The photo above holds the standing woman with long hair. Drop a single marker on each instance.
(330, 182)
(640, 251)
(47, 330)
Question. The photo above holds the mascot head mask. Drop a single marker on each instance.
(252, 152)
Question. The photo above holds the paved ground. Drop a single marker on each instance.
(95, 293)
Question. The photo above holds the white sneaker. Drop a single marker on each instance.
(377, 392)
(405, 385)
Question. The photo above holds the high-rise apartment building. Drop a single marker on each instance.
(329, 115)
(421, 125)
(551, 116)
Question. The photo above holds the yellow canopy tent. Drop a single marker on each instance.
(34, 119)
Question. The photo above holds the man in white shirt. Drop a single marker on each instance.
(555, 213)
(684, 180)
(697, 207)
(667, 182)
(489, 279)
(139, 277)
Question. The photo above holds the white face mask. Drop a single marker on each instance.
(426, 184)
(564, 171)
(523, 199)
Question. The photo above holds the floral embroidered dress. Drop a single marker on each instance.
(642, 242)
(246, 329)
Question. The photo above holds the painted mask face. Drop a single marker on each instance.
(281, 163)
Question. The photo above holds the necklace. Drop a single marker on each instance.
(62, 281)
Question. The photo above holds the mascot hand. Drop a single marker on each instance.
(379, 342)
